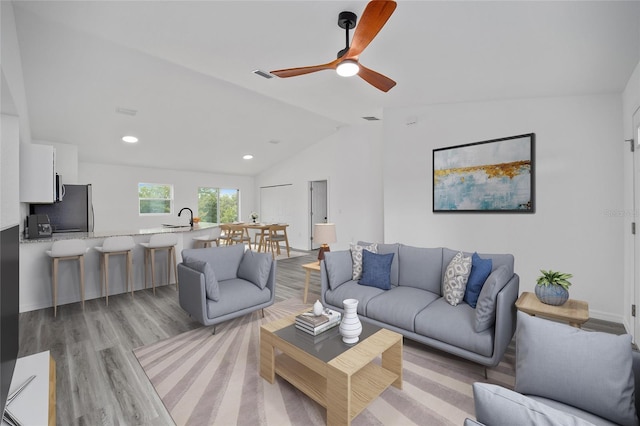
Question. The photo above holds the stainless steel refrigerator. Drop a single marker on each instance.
(74, 213)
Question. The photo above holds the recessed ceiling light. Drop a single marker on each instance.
(247, 157)
(130, 139)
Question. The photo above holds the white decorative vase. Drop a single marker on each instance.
(317, 308)
(350, 326)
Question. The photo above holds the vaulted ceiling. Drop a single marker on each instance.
(186, 67)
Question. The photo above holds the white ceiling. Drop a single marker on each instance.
(185, 66)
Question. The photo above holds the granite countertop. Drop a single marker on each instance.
(104, 234)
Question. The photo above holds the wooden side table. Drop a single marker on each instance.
(575, 312)
(308, 267)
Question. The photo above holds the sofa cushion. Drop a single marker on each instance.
(237, 294)
(356, 257)
(386, 249)
(352, 290)
(480, 270)
(455, 279)
(569, 409)
(496, 405)
(497, 260)
(255, 267)
(376, 270)
(210, 281)
(399, 306)
(420, 268)
(588, 370)
(454, 325)
(486, 307)
(339, 266)
(224, 260)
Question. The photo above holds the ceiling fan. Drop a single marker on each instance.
(373, 18)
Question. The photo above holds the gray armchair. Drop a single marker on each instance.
(564, 376)
(221, 283)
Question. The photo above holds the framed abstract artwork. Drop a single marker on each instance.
(497, 175)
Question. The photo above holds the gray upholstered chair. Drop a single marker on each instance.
(221, 283)
(564, 376)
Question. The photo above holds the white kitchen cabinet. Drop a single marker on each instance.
(37, 173)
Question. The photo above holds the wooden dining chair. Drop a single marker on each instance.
(277, 234)
(225, 234)
(239, 234)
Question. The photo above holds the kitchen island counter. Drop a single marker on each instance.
(35, 265)
(105, 234)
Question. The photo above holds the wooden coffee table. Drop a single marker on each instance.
(575, 312)
(340, 377)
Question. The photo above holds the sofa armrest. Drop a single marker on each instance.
(192, 293)
(271, 281)
(635, 358)
(324, 282)
(506, 317)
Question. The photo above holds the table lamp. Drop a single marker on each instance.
(323, 234)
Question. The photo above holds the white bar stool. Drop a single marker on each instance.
(113, 246)
(160, 242)
(66, 250)
(208, 239)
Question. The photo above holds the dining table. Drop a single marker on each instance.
(262, 231)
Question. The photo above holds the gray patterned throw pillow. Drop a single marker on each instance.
(455, 279)
(356, 257)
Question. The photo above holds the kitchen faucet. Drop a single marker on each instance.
(190, 211)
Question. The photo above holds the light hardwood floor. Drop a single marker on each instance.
(99, 380)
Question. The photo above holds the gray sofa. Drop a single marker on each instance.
(221, 283)
(564, 376)
(414, 305)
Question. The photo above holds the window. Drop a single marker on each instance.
(155, 198)
(217, 205)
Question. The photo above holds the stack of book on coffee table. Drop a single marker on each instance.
(314, 325)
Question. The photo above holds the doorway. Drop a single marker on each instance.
(317, 207)
(635, 288)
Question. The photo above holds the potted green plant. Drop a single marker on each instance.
(553, 287)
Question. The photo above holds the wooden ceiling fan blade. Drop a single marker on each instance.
(373, 18)
(376, 79)
(292, 72)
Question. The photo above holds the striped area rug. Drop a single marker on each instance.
(206, 379)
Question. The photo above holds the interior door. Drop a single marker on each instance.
(635, 290)
(317, 206)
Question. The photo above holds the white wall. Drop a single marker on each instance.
(11, 64)
(579, 189)
(350, 161)
(115, 193)
(9, 171)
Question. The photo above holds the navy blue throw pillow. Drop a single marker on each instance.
(480, 270)
(376, 270)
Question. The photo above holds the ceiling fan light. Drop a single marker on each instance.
(347, 68)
